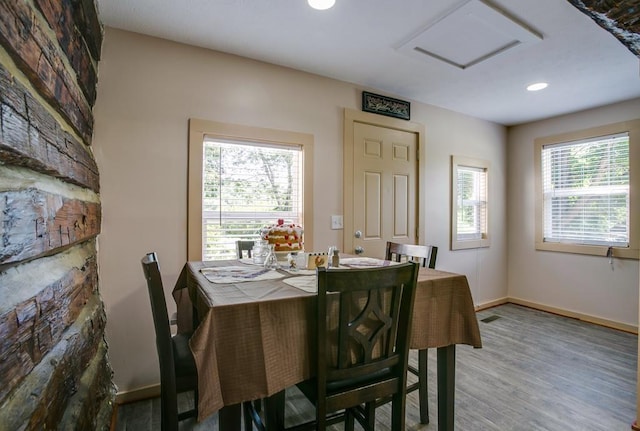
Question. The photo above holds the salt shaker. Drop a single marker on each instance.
(271, 261)
(335, 258)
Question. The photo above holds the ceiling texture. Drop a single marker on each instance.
(471, 56)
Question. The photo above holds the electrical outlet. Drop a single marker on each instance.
(336, 222)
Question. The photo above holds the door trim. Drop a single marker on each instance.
(352, 116)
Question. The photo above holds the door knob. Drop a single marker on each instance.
(359, 250)
(358, 234)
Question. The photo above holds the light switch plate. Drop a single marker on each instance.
(336, 222)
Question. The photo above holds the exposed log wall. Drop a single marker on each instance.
(25, 34)
(54, 369)
(41, 222)
(31, 137)
(619, 17)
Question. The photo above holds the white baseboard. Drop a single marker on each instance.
(143, 393)
(489, 304)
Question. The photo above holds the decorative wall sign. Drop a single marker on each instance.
(385, 105)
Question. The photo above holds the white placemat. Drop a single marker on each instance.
(239, 274)
(303, 282)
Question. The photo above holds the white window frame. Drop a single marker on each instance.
(199, 130)
(632, 251)
(482, 237)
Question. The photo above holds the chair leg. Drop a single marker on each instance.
(251, 414)
(397, 412)
(370, 415)
(348, 420)
(164, 425)
(365, 415)
(422, 386)
(196, 399)
(246, 415)
(274, 411)
(321, 416)
(169, 407)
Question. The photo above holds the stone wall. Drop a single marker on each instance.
(54, 368)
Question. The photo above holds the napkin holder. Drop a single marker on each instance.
(316, 260)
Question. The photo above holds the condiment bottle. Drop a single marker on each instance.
(335, 259)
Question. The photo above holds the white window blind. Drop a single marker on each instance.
(586, 191)
(247, 185)
(472, 203)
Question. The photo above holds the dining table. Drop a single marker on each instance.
(252, 330)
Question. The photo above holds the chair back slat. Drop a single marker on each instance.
(425, 254)
(242, 246)
(164, 344)
(364, 318)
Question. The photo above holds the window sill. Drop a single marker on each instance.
(466, 245)
(593, 250)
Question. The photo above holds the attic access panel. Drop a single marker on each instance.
(469, 34)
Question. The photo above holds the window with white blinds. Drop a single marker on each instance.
(470, 203)
(247, 185)
(585, 186)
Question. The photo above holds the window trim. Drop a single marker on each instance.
(632, 252)
(485, 241)
(198, 130)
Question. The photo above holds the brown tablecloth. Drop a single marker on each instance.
(253, 338)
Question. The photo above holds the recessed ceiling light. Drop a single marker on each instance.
(321, 4)
(537, 86)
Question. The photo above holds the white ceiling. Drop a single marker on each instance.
(490, 58)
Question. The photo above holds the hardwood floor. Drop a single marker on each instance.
(536, 371)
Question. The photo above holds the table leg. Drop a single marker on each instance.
(229, 417)
(446, 386)
(274, 411)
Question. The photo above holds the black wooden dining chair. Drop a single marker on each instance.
(362, 341)
(177, 367)
(426, 256)
(242, 246)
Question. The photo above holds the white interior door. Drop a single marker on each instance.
(384, 188)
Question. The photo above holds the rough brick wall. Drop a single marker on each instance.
(620, 17)
(54, 368)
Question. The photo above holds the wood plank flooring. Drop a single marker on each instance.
(536, 371)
